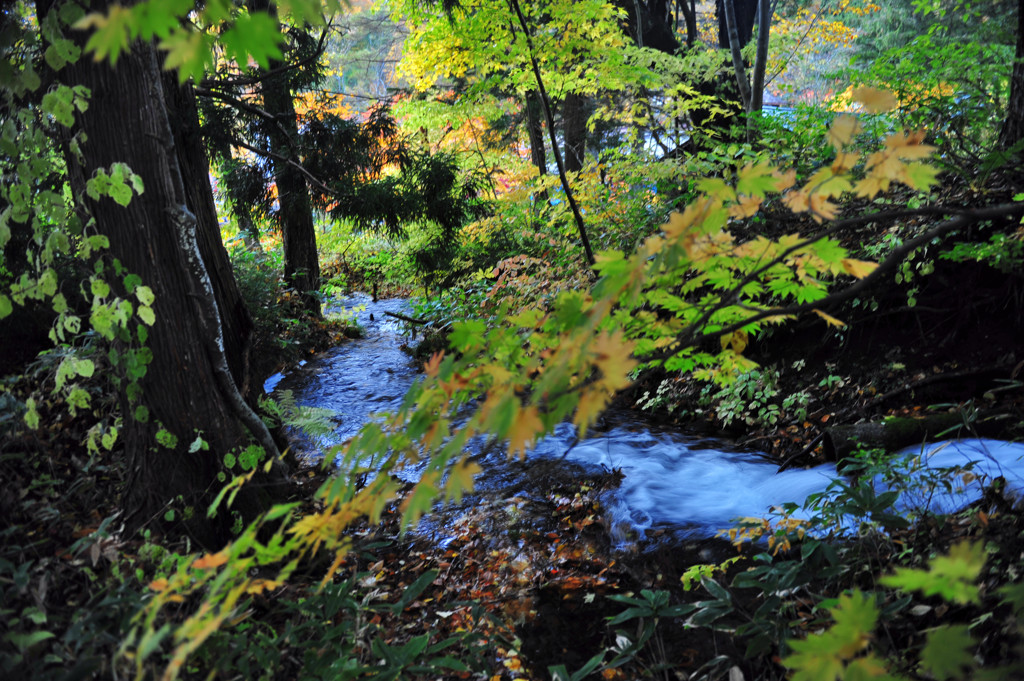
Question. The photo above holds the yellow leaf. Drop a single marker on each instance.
(858, 268)
(842, 131)
(524, 430)
(844, 162)
(798, 201)
(885, 164)
(829, 318)
(158, 584)
(871, 186)
(822, 208)
(875, 100)
(612, 355)
(737, 339)
(592, 403)
(784, 181)
(258, 586)
(460, 479)
(745, 207)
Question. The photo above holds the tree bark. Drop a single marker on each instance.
(764, 25)
(195, 170)
(574, 124)
(188, 387)
(1012, 132)
(739, 68)
(535, 129)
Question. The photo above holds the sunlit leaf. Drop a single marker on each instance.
(874, 99)
(830, 319)
(843, 130)
(858, 268)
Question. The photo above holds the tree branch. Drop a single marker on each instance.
(691, 336)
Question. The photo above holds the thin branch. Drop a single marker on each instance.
(315, 181)
(546, 102)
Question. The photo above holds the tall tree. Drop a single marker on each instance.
(295, 212)
(188, 411)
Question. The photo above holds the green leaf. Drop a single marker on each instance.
(947, 652)
(85, 367)
(952, 577)
(25, 641)
(31, 415)
(146, 315)
(188, 52)
(112, 33)
(144, 294)
(467, 335)
(6, 307)
(100, 288)
(255, 36)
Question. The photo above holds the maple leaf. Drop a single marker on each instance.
(858, 268)
(431, 366)
(822, 208)
(460, 479)
(885, 164)
(784, 181)
(525, 428)
(947, 652)
(875, 100)
(756, 179)
(112, 34)
(798, 201)
(842, 131)
(737, 340)
(871, 186)
(187, 51)
(591, 403)
(612, 355)
(920, 176)
(746, 206)
(256, 36)
(844, 162)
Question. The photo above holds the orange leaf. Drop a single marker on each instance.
(158, 584)
(211, 560)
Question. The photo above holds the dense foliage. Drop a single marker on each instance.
(677, 255)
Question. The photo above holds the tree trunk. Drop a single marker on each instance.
(295, 212)
(764, 25)
(735, 45)
(187, 387)
(195, 171)
(535, 129)
(574, 123)
(1012, 132)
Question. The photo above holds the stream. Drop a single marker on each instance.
(685, 486)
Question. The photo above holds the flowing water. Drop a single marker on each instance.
(689, 486)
